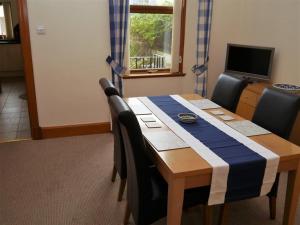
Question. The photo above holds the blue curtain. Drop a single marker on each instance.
(118, 16)
(203, 38)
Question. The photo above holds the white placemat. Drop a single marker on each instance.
(248, 128)
(205, 104)
(164, 140)
(138, 108)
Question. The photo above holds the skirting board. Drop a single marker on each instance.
(74, 130)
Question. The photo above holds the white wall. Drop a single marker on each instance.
(70, 58)
(153, 86)
(190, 46)
(274, 23)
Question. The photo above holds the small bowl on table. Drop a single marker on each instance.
(187, 117)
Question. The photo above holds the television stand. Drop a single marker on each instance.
(253, 81)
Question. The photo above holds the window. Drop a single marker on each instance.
(154, 44)
(6, 31)
(2, 22)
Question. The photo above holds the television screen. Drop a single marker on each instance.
(249, 61)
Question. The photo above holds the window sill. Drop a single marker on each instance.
(153, 75)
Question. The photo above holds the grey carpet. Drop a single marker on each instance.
(66, 181)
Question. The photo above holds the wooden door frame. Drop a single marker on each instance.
(28, 69)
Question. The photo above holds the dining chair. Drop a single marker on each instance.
(227, 91)
(276, 111)
(108, 87)
(147, 191)
(119, 152)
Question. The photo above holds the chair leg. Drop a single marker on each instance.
(272, 205)
(223, 220)
(207, 215)
(127, 215)
(121, 189)
(114, 174)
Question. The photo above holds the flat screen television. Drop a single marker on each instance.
(250, 62)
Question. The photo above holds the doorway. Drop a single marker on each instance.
(18, 108)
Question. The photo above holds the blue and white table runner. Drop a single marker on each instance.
(241, 167)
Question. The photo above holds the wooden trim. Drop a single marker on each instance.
(28, 69)
(151, 9)
(74, 130)
(182, 34)
(143, 71)
(152, 75)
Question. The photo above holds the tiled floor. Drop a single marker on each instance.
(14, 120)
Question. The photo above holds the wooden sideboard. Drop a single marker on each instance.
(249, 100)
(11, 57)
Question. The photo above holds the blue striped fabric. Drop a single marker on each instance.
(247, 168)
(203, 37)
(118, 16)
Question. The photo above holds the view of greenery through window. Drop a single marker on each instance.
(150, 37)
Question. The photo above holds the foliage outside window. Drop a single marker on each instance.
(151, 25)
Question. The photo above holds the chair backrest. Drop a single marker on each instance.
(119, 152)
(227, 91)
(108, 87)
(139, 189)
(276, 111)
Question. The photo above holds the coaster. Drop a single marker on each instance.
(226, 118)
(148, 119)
(153, 125)
(217, 112)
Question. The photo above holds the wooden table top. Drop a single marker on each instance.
(186, 162)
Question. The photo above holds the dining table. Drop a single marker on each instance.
(183, 168)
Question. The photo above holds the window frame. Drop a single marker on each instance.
(141, 73)
(8, 21)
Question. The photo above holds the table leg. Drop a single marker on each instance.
(292, 196)
(175, 201)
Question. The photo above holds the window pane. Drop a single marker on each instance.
(150, 40)
(152, 2)
(2, 23)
